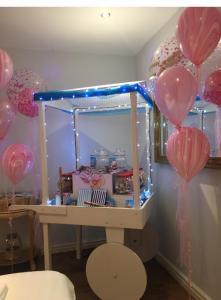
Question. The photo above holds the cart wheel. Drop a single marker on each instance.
(116, 272)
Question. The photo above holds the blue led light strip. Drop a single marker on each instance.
(94, 92)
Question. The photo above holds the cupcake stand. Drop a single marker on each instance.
(113, 270)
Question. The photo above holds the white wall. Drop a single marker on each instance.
(106, 130)
(205, 194)
(62, 71)
(72, 70)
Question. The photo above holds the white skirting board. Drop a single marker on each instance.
(181, 278)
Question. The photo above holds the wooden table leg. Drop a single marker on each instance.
(78, 232)
(114, 235)
(31, 236)
(47, 248)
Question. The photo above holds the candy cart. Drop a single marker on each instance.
(112, 189)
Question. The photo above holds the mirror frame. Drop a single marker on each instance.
(213, 162)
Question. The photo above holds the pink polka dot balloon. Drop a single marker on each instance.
(6, 68)
(21, 88)
(167, 55)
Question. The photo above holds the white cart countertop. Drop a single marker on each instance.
(100, 216)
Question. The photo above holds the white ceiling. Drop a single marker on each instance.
(81, 29)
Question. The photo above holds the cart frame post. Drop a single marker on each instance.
(43, 153)
(135, 159)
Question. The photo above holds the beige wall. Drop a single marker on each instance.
(205, 194)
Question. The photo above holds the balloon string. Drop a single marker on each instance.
(32, 138)
(178, 127)
(183, 225)
(4, 181)
(13, 194)
(198, 78)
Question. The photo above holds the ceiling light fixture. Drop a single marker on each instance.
(105, 14)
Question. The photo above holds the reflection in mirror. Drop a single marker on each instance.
(203, 117)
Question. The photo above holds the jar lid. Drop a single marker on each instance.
(102, 152)
(118, 151)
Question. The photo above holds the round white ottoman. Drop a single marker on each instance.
(38, 285)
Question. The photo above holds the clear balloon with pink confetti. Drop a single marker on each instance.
(21, 87)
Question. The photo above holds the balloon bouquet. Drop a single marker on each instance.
(188, 149)
(18, 159)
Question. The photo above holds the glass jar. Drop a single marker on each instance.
(120, 158)
(13, 246)
(102, 159)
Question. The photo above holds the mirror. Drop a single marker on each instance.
(202, 116)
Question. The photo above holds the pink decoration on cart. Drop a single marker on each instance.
(22, 80)
(92, 178)
(6, 68)
(17, 162)
(199, 32)
(7, 116)
(26, 104)
(176, 90)
(188, 151)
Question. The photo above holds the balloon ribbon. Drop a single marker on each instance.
(198, 79)
(183, 224)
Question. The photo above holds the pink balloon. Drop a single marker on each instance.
(17, 162)
(7, 116)
(26, 104)
(188, 150)
(176, 90)
(212, 92)
(6, 68)
(199, 32)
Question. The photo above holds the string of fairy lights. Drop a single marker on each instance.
(147, 132)
(74, 115)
